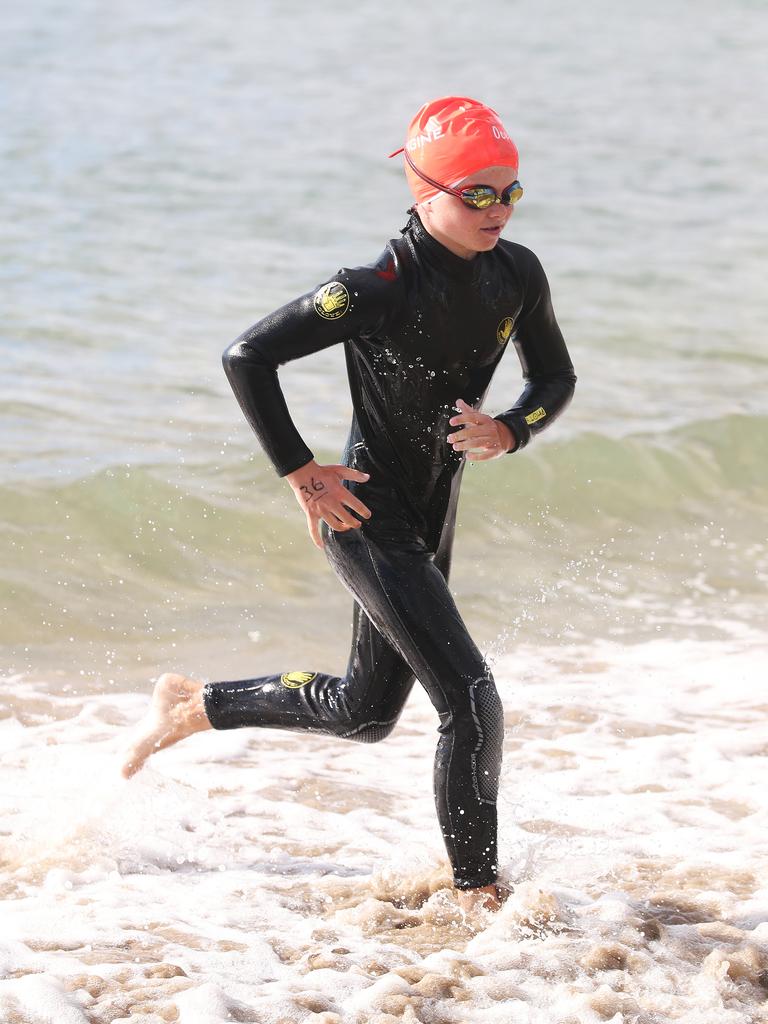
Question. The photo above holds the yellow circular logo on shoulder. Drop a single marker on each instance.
(504, 330)
(331, 301)
(293, 680)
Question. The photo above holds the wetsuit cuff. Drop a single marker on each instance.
(520, 430)
(210, 705)
(291, 465)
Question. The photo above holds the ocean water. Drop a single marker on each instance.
(171, 173)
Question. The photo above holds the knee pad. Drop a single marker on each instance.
(488, 714)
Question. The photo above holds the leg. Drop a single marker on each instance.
(413, 609)
(363, 705)
(418, 629)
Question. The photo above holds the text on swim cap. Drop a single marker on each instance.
(432, 131)
(435, 131)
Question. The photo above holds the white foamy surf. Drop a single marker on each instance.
(264, 876)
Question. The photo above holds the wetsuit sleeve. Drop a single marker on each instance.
(352, 304)
(547, 368)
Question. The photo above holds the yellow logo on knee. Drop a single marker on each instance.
(293, 680)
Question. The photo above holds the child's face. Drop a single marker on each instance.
(460, 228)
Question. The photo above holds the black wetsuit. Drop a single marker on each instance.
(421, 328)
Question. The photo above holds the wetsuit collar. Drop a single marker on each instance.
(437, 254)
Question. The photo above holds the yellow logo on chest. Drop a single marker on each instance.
(504, 330)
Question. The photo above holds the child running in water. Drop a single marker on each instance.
(424, 328)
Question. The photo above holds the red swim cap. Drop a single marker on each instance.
(450, 139)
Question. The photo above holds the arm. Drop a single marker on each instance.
(352, 304)
(547, 367)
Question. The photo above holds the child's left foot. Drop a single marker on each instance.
(177, 711)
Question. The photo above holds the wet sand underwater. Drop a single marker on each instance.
(260, 876)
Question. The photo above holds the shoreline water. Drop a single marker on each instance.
(126, 571)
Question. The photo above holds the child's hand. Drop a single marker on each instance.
(320, 492)
(481, 436)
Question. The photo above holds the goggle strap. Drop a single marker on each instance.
(426, 177)
(455, 191)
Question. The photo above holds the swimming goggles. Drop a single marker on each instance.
(477, 197)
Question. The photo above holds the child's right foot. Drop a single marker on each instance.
(487, 897)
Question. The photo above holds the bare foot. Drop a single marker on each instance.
(177, 711)
(485, 897)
